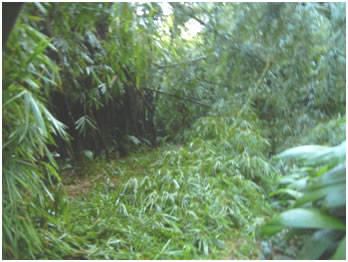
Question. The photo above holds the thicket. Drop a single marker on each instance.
(106, 79)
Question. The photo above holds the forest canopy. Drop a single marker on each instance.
(176, 120)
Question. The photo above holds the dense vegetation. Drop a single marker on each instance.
(129, 135)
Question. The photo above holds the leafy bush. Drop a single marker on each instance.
(313, 130)
(319, 193)
(28, 135)
(239, 137)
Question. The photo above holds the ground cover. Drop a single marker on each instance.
(201, 199)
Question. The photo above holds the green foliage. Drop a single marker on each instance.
(236, 133)
(182, 202)
(104, 52)
(85, 123)
(257, 78)
(324, 132)
(283, 68)
(110, 53)
(168, 204)
(319, 200)
(28, 129)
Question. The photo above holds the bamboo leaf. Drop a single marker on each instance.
(58, 126)
(14, 98)
(335, 196)
(88, 154)
(295, 194)
(42, 9)
(308, 218)
(37, 113)
(31, 83)
(134, 140)
(39, 49)
(52, 170)
(336, 175)
(340, 253)
(301, 151)
(163, 249)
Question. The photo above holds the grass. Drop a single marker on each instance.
(170, 203)
(204, 199)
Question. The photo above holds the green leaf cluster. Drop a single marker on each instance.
(319, 193)
(28, 135)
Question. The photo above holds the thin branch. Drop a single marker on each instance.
(253, 91)
(197, 19)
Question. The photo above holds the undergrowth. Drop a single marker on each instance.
(311, 196)
(326, 132)
(203, 199)
(176, 202)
